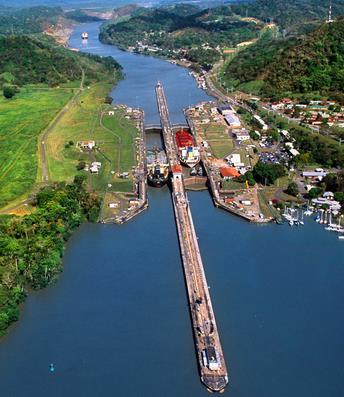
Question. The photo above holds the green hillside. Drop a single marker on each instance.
(28, 20)
(288, 14)
(182, 32)
(29, 60)
(313, 63)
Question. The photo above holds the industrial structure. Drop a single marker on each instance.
(209, 352)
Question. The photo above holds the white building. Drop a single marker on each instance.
(234, 159)
(95, 166)
(242, 135)
(87, 145)
(261, 122)
(294, 152)
(233, 120)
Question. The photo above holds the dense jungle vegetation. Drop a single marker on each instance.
(30, 60)
(313, 63)
(32, 246)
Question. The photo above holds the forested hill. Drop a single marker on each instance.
(314, 62)
(28, 20)
(182, 32)
(25, 60)
(288, 13)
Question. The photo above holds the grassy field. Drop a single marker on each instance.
(114, 137)
(22, 119)
(217, 137)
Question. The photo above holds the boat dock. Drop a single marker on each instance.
(209, 352)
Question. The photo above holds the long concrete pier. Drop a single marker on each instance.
(209, 352)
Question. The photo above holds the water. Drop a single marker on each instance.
(117, 323)
(142, 74)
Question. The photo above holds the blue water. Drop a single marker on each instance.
(117, 324)
(142, 74)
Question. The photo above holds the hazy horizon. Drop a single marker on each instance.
(74, 3)
(103, 3)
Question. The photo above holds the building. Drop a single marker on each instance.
(234, 159)
(314, 174)
(233, 120)
(328, 195)
(285, 133)
(225, 109)
(87, 145)
(228, 173)
(294, 152)
(95, 166)
(213, 363)
(242, 135)
(261, 122)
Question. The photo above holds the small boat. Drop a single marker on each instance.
(51, 367)
(84, 35)
(301, 220)
(341, 237)
(291, 222)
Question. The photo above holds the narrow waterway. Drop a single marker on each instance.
(117, 324)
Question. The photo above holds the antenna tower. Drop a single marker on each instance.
(330, 20)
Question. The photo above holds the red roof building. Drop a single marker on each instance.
(229, 172)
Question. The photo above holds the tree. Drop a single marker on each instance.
(254, 136)
(331, 182)
(314, 193)
(248, 176)
(81, 165)
(292, 189)
(302, 159)
(273, 135)
(267, 173)
(108, 100)
(9, 91)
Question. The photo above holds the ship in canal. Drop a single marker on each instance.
(157, 167)
(188, 151)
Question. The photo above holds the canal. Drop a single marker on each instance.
(116, 323)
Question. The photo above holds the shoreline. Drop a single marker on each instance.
(62, 33)
(210, 89)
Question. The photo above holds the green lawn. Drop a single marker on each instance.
(22, 119)
(114, 137)
(233, 185)
(217, 137)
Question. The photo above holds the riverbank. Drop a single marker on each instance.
(278, 296)
(121, 206)
(33, 245)
(62, 31)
